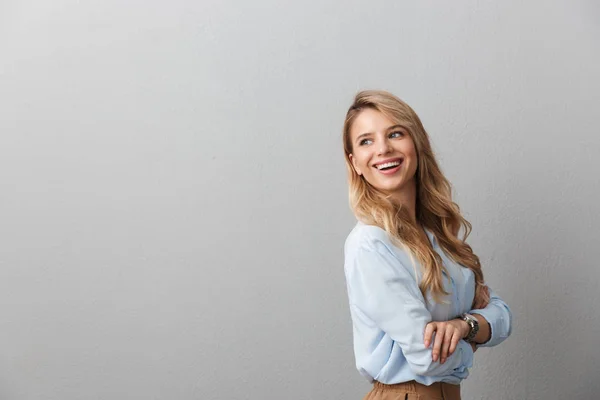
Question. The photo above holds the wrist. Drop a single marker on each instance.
(473, 325)
(466, 328)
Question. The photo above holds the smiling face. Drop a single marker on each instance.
(382, 152)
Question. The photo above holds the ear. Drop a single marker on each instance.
(353, 161)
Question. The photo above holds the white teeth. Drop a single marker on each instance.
(389, 164)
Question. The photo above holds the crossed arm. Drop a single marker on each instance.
(448, 333)
(386, 293)
(495, 325)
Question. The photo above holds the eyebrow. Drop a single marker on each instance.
(370, 133)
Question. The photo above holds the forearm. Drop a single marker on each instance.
(484, 333)
(498, 318)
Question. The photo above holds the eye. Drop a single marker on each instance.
(363, 142)
(398, 133)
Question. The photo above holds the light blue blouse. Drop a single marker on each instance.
(389, 313)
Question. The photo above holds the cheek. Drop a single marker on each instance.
(410, 151)
(360, 159)
(409, 147)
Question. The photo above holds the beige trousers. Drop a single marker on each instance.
(413, 391)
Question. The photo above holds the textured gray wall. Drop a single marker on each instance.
(173, 196)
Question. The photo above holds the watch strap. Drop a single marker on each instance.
(473, 324)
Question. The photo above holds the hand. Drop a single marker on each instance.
(447, 335)
(481, 301)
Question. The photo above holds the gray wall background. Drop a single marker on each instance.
(173, 195)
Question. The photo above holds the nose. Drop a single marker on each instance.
(384, 146)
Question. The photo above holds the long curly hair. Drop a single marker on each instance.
(434, 208)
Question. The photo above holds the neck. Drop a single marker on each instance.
(407, 196)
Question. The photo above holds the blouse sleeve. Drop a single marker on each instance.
(499, 316)
(384, 290)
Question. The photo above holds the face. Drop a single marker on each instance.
(382, 152)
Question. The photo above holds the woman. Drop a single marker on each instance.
(418, 301)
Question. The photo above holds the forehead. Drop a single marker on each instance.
(369, 120)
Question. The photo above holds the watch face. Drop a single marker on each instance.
(473, 324)
(472, 318)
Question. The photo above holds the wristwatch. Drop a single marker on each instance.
(473, 323)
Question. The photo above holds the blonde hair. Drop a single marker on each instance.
(434, 209)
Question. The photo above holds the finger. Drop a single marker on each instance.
(446, 344)
(437, 344)
(429, 329)
(454, 342)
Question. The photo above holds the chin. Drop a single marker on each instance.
(391, 187)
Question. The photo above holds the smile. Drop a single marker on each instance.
(388, 164)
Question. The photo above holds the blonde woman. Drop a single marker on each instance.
(419, 305)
